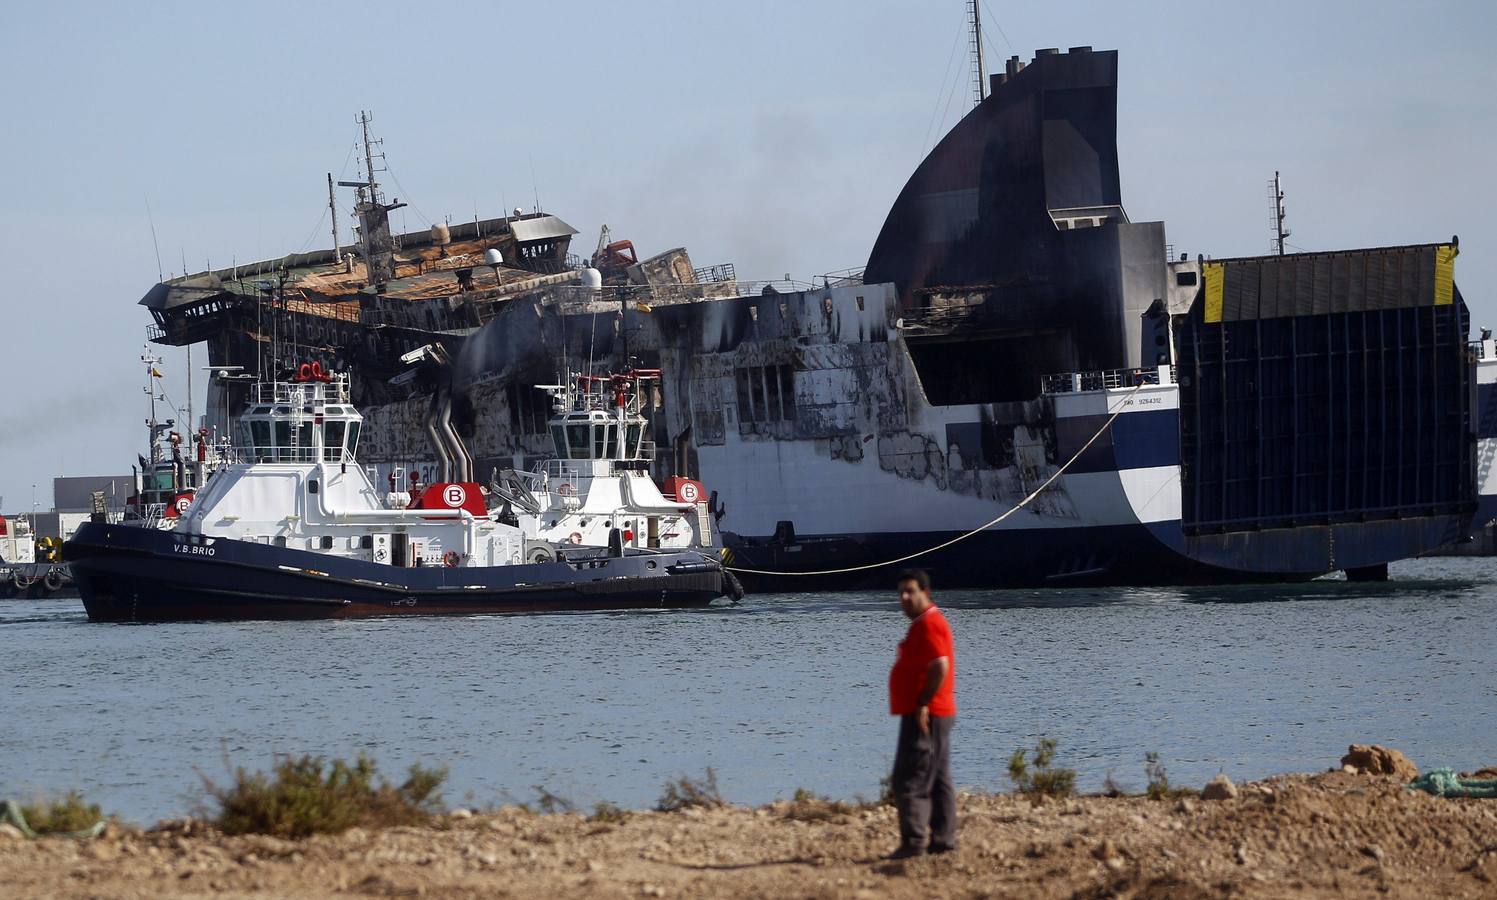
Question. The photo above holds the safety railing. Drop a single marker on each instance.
(1110, 379)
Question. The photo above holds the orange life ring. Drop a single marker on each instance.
(451, 559)
(575, 537)
(566, 490)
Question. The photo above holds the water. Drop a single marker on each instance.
(781, 692)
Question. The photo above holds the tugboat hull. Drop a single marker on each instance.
(128, 574)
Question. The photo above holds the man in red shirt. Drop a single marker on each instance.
(922, 692)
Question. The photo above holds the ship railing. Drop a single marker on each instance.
(296, 393)
(1107, 380)
(561, 477)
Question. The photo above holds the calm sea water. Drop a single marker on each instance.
(780, 692)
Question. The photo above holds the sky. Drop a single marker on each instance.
(774, 135)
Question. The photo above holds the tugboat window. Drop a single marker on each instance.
(578, 439)
(631, 449)
(559, 438)
(332, 441)
(605, 438)
(261, 443)
(283, 441)
(353, 439)
(304, 446)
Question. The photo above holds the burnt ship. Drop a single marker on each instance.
(1014, 344)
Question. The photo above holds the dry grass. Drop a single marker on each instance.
(306, 795)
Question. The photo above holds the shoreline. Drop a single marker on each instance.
(1300, 836)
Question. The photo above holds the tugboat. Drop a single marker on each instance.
(29, 566)
(599, 477)
(293, 528)
(168, 478)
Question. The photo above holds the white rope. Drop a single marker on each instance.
(959, 538)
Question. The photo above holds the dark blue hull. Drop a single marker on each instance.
(1125, 555)
(127, 574)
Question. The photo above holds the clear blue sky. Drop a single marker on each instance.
(773, 135)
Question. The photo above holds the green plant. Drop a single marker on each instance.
(306, 795)
(1159, 781)
(548, 802)
(608, 813)
(1037, 775)
(685, 792)
(807, 806)
(70, 813)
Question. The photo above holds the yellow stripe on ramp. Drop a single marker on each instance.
(1445, 255)
(1216, 277)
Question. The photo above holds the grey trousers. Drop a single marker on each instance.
(923, 791)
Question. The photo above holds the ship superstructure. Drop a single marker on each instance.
(1015, 338)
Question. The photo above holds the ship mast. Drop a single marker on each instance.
(979, 77)
(1276, 192)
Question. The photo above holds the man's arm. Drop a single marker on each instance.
(935, 676)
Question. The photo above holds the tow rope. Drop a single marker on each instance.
(979, 529)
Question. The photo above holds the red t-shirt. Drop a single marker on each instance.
(929, 638)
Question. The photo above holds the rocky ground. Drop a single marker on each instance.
(1332, 835)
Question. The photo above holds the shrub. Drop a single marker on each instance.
(68, 814)
(686, 792)
(806, 806)
(1159, 781)
(548, 802)
(306, 795)
(1037, 776)
(608, 813)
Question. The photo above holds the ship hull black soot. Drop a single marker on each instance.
(129, 574)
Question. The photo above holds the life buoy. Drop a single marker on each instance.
(574, 538)
(451, 558)
(566, 490)
(304, 372)
(53, 580)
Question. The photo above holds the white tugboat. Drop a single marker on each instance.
(599, 481)
(29, 566)
(295, 528)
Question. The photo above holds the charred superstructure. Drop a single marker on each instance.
(1014, 340)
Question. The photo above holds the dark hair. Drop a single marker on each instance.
(919, 576)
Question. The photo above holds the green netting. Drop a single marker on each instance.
(1446, 783)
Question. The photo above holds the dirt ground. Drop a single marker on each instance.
(1297, 836)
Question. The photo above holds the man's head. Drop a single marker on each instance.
(914, 591)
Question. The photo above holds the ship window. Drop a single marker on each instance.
(280, 540)
(1185, 279)
(353, 438)
(282, 441)
(529, 408)
(332, 441)
(367, 542)
(631, 450)
(559, 438)
(327, 542)
(766, 394)
(260, 431)
(577, 437)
